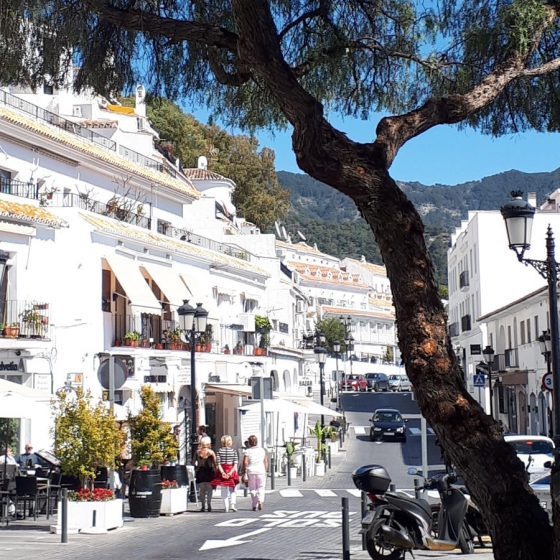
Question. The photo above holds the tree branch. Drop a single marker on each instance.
(173, 29)
(222, 75)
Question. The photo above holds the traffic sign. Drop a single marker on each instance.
(547, 381)
(479, 380)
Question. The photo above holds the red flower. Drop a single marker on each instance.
(169, 484)
(95, 495)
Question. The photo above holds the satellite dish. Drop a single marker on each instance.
(284, 233)
(121, 371)
(278, 232)
(303, 238)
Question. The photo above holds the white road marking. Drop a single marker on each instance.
(354, 492)
(360, 430)
(417, 431)
(209, 545)
(325, 493)
(290, 493)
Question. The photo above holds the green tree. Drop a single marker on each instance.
(334, 331)
(151, 441)
(86, 435)
(486, 64)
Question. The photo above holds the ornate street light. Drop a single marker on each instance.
(518, 215)
(336, 348)
(488, 354)
(193, 323)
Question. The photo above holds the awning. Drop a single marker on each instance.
(312, 407)
(275, 405)
(230, 389)
(169, 282)
(198, 291)
(142, 299)
(161, 387)
(252, 296)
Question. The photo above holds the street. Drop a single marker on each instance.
(297, 523)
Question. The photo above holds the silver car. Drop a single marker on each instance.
(399, 383)
(541, 487)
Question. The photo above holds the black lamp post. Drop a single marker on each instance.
(518, 215)
(321, 354)
(193, 323)
(336, 348)
(488, 354)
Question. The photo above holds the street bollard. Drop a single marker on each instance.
(392, 487)
(303, 467)
(288, 473)
(416, 488)
(345, 530)
(329, 455)
(64, 517)
(272, 472)
(363, 511)
(94, 518)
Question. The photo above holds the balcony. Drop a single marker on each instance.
(19, 188)
(464, 279)
(24, 319)
(454, 329)
(511, 359)
(465, 323)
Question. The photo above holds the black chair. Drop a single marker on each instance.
(53, 492)
(29, 493)
(101, 479)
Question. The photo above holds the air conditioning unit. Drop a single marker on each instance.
(77, 111)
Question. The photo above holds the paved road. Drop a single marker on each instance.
(299, 523)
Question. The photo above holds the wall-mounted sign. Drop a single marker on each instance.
(475, 349)
(155, 378)
(9, 366)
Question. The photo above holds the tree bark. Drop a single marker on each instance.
(495, 477)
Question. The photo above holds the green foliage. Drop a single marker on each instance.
(257, 196)
(132, 335)
(319, 433)
(443, 292)
(150, 437)
(290, 447)
(9, 430)
(262, 324)
(523, 19)
(333, 330)
(86, 435)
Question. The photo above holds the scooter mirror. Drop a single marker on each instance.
(414, 472)
(548, 465)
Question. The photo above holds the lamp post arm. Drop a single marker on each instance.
(542, 267)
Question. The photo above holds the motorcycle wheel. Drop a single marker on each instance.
(375, 546)
(466, 543)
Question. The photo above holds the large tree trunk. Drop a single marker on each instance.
(495, 477)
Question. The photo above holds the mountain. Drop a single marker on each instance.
(330, 219)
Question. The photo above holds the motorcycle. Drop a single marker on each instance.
(397, 523)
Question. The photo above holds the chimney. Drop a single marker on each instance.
(532, 199)
(202, 162)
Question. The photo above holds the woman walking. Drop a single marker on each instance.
(255, 467)
(205, 465)
(227, 476)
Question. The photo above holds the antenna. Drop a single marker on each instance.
(284, 233)
(278, 232)
(303, 238)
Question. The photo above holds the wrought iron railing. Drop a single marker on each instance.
(19, 188)
(140, 159)
(24, 319)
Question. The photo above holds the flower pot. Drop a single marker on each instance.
(198, 348)
(11, 332)
(293, 472)
(159, 346)
(175, 472)
(320, 468)
(80, 515)
(173, 500)
(144, 495)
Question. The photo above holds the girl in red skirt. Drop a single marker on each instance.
(227, 477)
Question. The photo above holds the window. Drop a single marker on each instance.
(537, 325)
(106, 290)
(163, 227)
(528, 330)
(522, 331)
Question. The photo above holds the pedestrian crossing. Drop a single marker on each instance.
(320, 492)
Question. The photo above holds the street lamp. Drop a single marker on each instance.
(488, 354)
(193, 323)
(321, 354)
(518, 215)
(336, 348)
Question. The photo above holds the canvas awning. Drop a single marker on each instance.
(141, 297)
(200, 293)
(230, 389)
(275, 405)
(169, 282)
(311, 407)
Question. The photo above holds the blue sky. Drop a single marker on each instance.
(442, 155)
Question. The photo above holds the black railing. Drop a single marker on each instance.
(464, 279)
(52, 118)
(112, 209)
(511, 358)
(190, 237)
(454, 329)
(19, 188)
(465, 323)
(140, 159)
(24, 319)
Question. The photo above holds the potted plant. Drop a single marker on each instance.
(152, 443)
(173, 498)
(238, 348)
(263, 327)
(132, 338)
(226, 349)
(33, 322)
(290, 447)
(11, 330)
(86, 437)
(319, 434)
(205, 339)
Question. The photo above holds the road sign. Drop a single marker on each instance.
(547, 381)
(479, 380)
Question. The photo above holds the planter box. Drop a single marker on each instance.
(334, 445)
(293, 473)
(108, 515)
(320, 469)
(173, 500)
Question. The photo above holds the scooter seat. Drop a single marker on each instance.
(418, 501)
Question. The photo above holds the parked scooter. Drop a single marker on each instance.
(396, 523)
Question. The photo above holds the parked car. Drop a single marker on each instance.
(399, 382)
(377, 381)
(387, 423)
(541, 487)
(354, 382)
(534, 451)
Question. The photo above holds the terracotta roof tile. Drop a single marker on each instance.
(301, 247)
(29, 214)
(319, 273)
(358, 313)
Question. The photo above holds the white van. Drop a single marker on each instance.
(534, 451)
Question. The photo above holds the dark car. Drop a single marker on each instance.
(377, 381)
(387, 423)
(354, 383)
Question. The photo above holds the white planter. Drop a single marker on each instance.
(334, 447)
(320, 469)
(173, 500)
(108, 515)
(293, 473)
